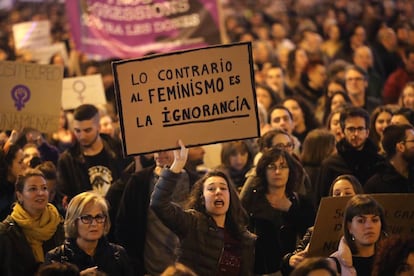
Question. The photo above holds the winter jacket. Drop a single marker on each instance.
(16, 256)
(201, 242)
(389, 180)
(360, 163)
(109, 258)
(277, 230)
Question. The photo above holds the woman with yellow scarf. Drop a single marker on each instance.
(33, 228)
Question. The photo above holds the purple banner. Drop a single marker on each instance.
(134, 28)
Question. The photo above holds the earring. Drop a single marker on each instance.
(352, 237)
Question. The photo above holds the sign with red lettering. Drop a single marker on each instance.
(30, 96)
(201, 96)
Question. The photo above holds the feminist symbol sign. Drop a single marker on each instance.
(21, 95)
(79, 87)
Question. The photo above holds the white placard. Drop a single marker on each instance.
(82, 90)
(32, 34)
(42, 55)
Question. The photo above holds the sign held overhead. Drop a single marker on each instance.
(201, 96)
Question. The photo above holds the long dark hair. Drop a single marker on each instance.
(236, 216)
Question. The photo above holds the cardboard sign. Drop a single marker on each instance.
(30, 96)
(399, 216)
(82, 90)
(201, 96)
(31, 34)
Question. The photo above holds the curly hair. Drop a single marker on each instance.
(236, 216)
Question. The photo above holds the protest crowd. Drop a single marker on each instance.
(334, 83)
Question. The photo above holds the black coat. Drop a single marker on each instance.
(109, 258)
(201, 244)
(131, 219)
(360, 163)
(277, 231)
(389, 180)
(16, 255)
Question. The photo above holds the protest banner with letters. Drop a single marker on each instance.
(201, 96)
(399, 216)
(132, 28)
(31, 96)
(83, 90)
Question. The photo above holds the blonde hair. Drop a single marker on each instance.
(76, 207)
(178, 269)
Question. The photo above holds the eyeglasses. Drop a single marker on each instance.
(88, 219)
(273, 167)
(355, 129)
(408, 141)
(282, 146)
(355, 79)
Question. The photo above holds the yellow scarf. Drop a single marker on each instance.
(38, 230)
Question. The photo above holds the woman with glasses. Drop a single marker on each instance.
(280, 139)
(34, 227)
(86, 225)
(278, 215)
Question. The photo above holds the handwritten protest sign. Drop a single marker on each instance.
(201, 96)
(32, 34)
(82, 90)
(31, 96)
(399, 211)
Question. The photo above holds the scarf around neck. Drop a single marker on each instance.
(38, 230)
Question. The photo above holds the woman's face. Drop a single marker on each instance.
(358, 37)
(408, 97)
(337, 101)
(297, 113)
(335, 126)
(366, 229)
(282, 141)
(90, 229)
(383, 120)
(343, 187)
(301, 59)
(333, 87)
(34, 196)
(238, 160)
(216, 196)
(277, 173)
(17, 166)
(263, 97)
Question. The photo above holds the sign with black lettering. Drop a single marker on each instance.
(399, 216)
(201, 96)
(30, 96)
